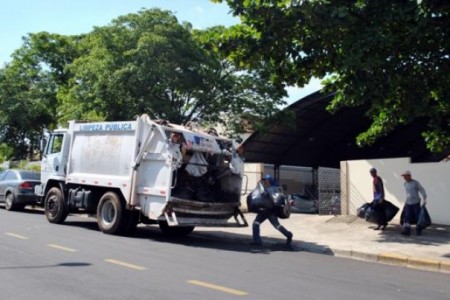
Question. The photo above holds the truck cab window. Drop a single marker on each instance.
(56, 144)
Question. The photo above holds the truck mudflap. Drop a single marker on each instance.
(181, 212)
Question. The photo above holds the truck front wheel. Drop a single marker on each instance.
(111, 214)
(55, 210)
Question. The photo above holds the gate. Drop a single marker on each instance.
(329, 191)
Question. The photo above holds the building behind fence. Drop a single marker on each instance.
(322, 184)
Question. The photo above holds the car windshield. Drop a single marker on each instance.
(29, 175)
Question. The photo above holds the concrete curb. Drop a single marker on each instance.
(421, 263)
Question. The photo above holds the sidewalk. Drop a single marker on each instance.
(349, 236)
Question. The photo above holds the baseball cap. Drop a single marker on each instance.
(406, 173)
(373, 170)
(267, 177)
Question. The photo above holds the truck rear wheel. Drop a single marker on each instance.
(111, 214)
(55, 210)
(177, 231)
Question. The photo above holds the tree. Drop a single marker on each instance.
(244, 97)
(24, 109)
(149, 63)
(28, 90)
(394, 55)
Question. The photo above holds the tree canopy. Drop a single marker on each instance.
(394, 55)
(145, 62)
(28, 88)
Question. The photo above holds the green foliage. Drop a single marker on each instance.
(34, 167)
(394, 55)
(145, 62)
(25, 165)
(28, 90)
(149, 63)
(6, 152)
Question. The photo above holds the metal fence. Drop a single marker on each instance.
(323, 184)
(329, 191)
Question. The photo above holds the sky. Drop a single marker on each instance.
(20, 17)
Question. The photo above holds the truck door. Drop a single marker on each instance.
(54, 160)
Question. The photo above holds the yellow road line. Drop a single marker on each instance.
(217, 287)
(124, 264)
(17, 236)
(62, 248)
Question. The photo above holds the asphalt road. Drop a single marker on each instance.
(39, 260)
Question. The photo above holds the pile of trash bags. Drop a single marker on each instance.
(423, 220)
(261, 200)
(367, 212)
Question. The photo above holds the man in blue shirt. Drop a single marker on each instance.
(270, 186)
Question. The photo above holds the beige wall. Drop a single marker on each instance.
(434, 177)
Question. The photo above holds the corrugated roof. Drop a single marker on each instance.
(324, 139)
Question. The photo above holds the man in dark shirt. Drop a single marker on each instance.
(378, 200)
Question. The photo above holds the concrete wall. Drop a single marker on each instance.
(356, 184)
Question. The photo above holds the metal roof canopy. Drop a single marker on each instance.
(322, 139)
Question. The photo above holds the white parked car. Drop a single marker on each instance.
(303, 204)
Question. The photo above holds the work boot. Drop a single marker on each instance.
(419, 231)
(406, 231)
(289, 238)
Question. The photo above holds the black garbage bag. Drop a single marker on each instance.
(371, 215)
(361, 211)
(204, 193)
(368, 212)
(390, 209)
(259, 199)
(282, 206)
(184, 192)
(424, 219)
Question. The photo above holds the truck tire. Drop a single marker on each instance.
(175, 231)
(54, 206)
(9, 202)
(111, 214)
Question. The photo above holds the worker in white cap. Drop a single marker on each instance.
(412, 204)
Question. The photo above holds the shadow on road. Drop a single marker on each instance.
(220, 240)
(66, 264)
(215, 240)
(27, 210)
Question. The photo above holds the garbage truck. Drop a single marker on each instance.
(142, 171)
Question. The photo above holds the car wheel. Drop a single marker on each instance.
(55, 209)
(9, 202)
